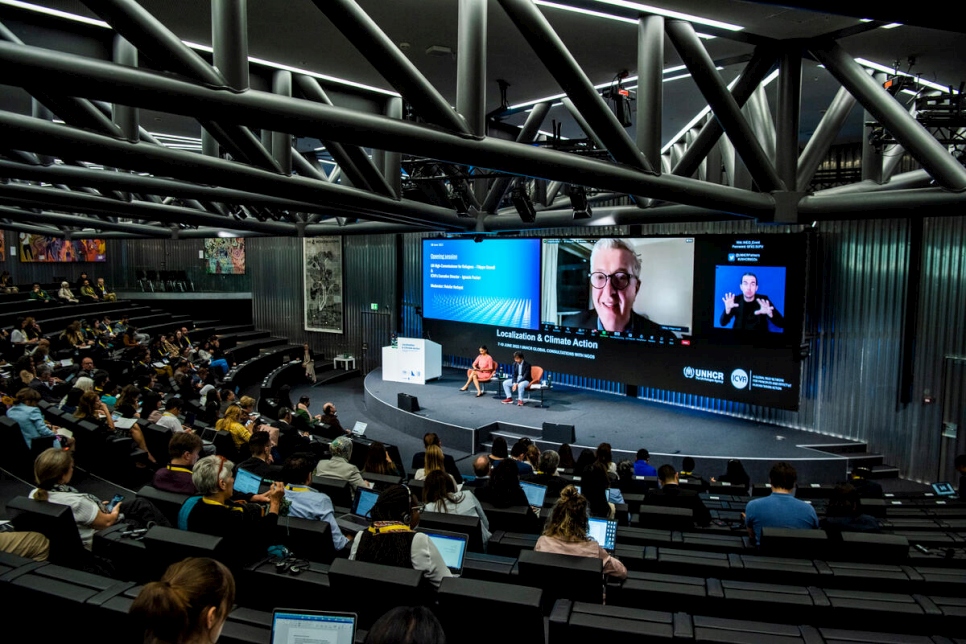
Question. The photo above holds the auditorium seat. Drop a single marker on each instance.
(169, 503)
(509, 544)
(561, 577)
(513, 519)
(338, 490)
(264, 587)
(871, 547)
(661, 592)
(665, 518)
(572, 621)
(307, 538)
(157, 438)
(168, 545)
(740, 631)
(515, 605)
(15, 456)
(54, 521)
(783, 542)
(370, 589)
(381, 481)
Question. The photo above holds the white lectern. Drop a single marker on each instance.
(412, 360)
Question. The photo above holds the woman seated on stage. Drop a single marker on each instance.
(482, 371)
(440, 495)
(566, 533)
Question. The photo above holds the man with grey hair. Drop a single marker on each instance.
(546, 473)
(50, 389)
(339, 467)
(615, 280)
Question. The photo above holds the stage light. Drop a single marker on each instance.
(578, 201)
(521, 201)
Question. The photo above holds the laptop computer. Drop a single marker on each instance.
(300, 626)
(452, 545)
(535, 493)
(246, 482)
(944, 489)
(358, 519)
(603, 532)
(359, 429)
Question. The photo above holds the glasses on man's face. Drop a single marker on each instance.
(618, 280)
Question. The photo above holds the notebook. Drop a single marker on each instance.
(359, 428)
(535, 493)
(125, 423)
(246, 482)
(300, 626)
(452, 545)
(603, 532)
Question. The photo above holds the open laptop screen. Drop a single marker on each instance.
(311, 627)
(535, 493)
(602, 531)
(365, 499)
(452, 545)
(944, 489)
(359, 428)
(246, 482)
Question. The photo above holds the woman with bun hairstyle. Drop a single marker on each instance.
(188, 605)
(566, 533)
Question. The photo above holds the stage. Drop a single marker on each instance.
(466, 423)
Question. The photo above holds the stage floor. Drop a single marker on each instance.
(626, 423)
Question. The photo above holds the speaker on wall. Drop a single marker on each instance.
(407, 402)
(554, 433)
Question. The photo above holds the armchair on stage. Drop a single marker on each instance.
(412, 360)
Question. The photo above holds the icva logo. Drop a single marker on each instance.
(739, 378)
(689, 372)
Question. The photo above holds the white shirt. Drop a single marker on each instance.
(171, 422)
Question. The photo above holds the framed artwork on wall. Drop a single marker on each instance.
(322, 284)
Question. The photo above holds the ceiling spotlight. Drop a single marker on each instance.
(578, 201)
(521, 201)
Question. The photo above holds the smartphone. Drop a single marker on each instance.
(117, 499)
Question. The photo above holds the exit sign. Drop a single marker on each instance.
(374, 306)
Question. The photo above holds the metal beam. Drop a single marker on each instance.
(723, 104)
(282, 141)
(392, 170)
(471, 65)
(558, 60)
(125, 117)
(905, 181)
(57, 139)
(871, 153)
(650, 85)
(822, 138)
(529, 131)
(379, 49)
(358, 166)
(754, 72)
(58, 219)
(906, 203)
(260, 109)
(582, 123)
(229, 41)
(789, 115)
(759, 118)
(307, 169)
(163, 47)
(914, 137)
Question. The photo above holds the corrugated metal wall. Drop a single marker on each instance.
(370, 270)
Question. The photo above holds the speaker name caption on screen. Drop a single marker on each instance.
(542, 341)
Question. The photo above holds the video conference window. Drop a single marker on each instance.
(631, 287)
(496, 282)
(750, 298)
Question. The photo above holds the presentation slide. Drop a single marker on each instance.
(495, 283)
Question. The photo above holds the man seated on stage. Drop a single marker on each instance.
(306, 502)
(546, 473)
(449, 464)
(670, 495)
(184, 450)
(641, 466)
(339, 467)
(780, 509)
(519, 379)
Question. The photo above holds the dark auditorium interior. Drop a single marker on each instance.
(251, 204)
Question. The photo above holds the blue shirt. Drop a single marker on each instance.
(779, 510)
(308, 503)
(31, 422)
(643, 468)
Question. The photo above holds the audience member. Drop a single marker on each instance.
(566, 457)
(546, 474)
(844, 515)
(378, 461)
(169, 419)
(65, 295)
(481, 472)
(780, 509)
(184, 449)
(190, 603)
(407, 625)
(735, 475)
(671, 495)
(860, 479)
(498, 450)
(687, 472)
(247, 529)
(642, 466)
(339, 467)
(260, 463)
(566, 533)
(431, 438)
(594, 486)
(519, 455)
(306, 502)
(232, 424)
(440, 495)
(30, 419)
(605, 457)
(391, 539)
(29, 545)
